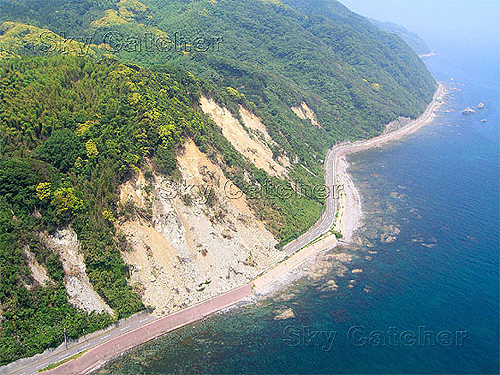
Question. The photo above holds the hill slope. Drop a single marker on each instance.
(93, 145)
(354, 76)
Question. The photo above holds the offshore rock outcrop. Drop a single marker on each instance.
(468, 111)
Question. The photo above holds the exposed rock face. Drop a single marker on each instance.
(81, 293)
(306, 113)
(197, 243)
(38, 272)
(255, 143)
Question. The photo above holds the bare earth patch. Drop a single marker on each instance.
(193, 247)
(38, 271)
(81, 293)
(256, 148)
(306, 113)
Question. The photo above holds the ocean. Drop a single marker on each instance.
(424, 294)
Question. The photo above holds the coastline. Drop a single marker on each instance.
(350, 202)
(429, 54)
(349, 213)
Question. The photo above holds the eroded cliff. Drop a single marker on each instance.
(187, 239)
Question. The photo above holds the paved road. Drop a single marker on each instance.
(325, 223)
(33, 364)
(327, 220)
(113, 347)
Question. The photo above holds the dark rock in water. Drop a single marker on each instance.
(480, 105)
(468, 111)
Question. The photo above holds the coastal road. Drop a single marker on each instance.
(32, 365)
(327, 220)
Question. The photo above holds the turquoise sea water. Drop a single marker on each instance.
(438, 281)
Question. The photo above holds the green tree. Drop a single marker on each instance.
(61, 149)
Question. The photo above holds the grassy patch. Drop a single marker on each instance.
(54, 365)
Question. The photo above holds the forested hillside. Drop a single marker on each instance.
(73, 129)
(85, 106)
(354, 76)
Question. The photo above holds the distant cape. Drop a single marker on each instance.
(412, 39)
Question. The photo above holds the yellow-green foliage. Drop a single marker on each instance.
(274, 2)
(83, 128)
(110, 18)
(134, 98)
(43, 190)
(65, 200)
(108, 215)
(235, 93)
(20, 38)
(7, 54)
(91, 148)
(129, 9)
(78, 162)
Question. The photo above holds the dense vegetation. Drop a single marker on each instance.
(73, 128)
(353, 75)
